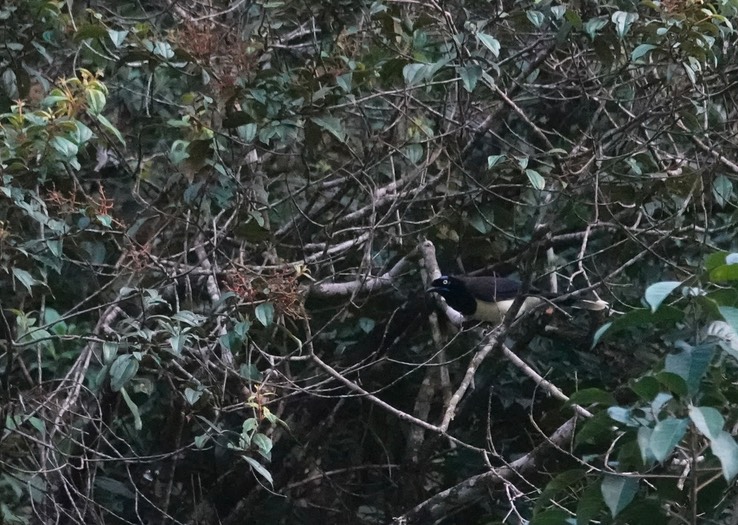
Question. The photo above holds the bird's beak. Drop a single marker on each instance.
(433, 289)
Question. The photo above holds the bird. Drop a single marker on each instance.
(482, 298)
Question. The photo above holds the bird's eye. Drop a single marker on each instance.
(445, 281)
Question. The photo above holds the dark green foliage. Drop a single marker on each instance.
(212, 226)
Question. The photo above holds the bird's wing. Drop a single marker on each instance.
(492, 289)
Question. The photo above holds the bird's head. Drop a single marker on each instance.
(447, 286)
(456, 293)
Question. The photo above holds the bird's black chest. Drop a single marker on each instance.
(462, 302)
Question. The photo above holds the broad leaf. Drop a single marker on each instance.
(722, 190)
(623, 21)
(265, 313)
(589, 505)
(666, 436)
(332, 125)
(641, 50)
(536, 180)
(690, 364)
(644, 444)
(707, 420)
(122, 370)
(589, 396)
(726, 336)
(489, 42)
(550, 517)
(470, 75)
(656, 293)
(618, 492)
(25, 278)
(726, 450)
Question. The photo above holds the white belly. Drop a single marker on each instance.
(495, 312)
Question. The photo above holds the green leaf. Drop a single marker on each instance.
(105, 220)
(621, 415)
(470, 75)
(110, 350)
(414, 74)
(163, 49)
(644, 444)
(178, 151)
(656, 293)
(707, 420)
(564, 480)
(726, 336)
(689, 70)
(714, 260)
(249, 425)
(595, 430)
(646, 388)
(414, 153)
(489, 42)
(576, 21)
(178, 341)
(726, 450)
(618, 492)
(345, 82)
(192, 395)
(86, 31)
(64, 146)
(730, 314)
(623, 21)
(666, 436)
(366, 324)
(593, 25)
(82, 133)
(724, 273)
(722, 190)
(558, 11)
(122, 370)
(332, 125)
(536, 18)
(112, 129)
(259, 468)
(251, 230)
(494, 160)
(690, 364)
(38, 424)
(641, 50)
(137, 423)
(643, 317)
(550, 517)
(589, 505)
(117, 37)
(536, 180)
(113, 486)
(263, 444)
(189, 318)
(250, 372)
(589, 396)
(95, 101)
(247, 132)
(25, 278)
(265, 313)
(482, 219)
(599, 333)
(673, 382)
